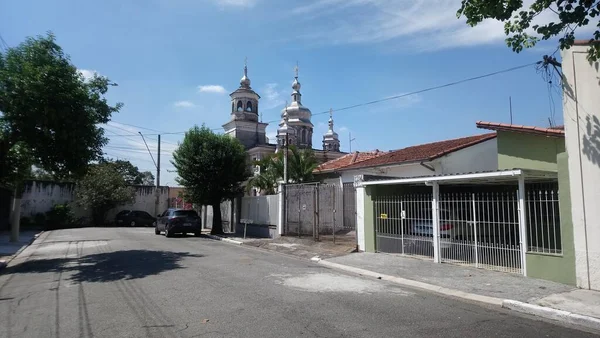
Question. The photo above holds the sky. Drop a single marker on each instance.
(176, 61)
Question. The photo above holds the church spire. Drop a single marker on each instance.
(296, 96)
(331, 141)
(245, 81)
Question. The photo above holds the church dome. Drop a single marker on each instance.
(296, 85)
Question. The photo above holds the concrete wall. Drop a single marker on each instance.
(479, 157)
(558, 268)
(581, 109)
(527, 151)
(41, 196)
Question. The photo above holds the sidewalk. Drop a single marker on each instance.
(528, 295)
(8, 249)
(302, 247)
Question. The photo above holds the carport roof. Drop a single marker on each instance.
(498, 176)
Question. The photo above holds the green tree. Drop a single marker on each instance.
(131, 173)
(101, 189)
(49, 111)
(212, 168)
(570, 15)
(301, 165)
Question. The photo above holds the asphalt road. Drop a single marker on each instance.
(131, 283)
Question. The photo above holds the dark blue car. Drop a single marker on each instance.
(178, 221)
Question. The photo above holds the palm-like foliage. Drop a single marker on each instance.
(301, 164)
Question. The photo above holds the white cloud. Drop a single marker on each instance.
(236, 3)
(408, 24)
(272, 97)
(88, 74)
(184, 104)
(217, 89)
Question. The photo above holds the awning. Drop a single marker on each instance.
(499, 176)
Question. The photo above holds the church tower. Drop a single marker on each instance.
(298, 117)
(331, 141)
(244, 123)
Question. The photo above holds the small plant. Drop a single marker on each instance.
(40, 219)
(60, 216)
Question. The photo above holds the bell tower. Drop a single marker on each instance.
(244, 123)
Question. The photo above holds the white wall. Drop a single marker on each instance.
(581, 109)
(480, 157)
(41, 196)
(263, 210)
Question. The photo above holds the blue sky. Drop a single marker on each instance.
(176, 61)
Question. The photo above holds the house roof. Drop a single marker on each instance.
(558, 131)
(423, 152)
(348, 159)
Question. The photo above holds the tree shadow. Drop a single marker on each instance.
(107, 267)
(591, 140)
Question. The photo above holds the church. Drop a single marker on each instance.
(245, 125)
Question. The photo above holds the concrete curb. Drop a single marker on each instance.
(415, 284)
(4, 263)
(223, 239)
(554, 314)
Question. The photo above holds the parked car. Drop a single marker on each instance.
(181, 221)
(134, 218)
(455, 228)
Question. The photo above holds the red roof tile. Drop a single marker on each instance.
(423, 152)
(346, 160)
(558, 131)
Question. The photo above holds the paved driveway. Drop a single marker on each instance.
(128, 282)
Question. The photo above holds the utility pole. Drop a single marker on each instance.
(156, 208)
(157, 165)
(510, 107)
(350, 141)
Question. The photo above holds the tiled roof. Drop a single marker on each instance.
(558, 131)
(423, 152)
(349, 159)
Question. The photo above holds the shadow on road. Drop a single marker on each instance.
(107, 267)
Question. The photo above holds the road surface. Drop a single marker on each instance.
(128, 282)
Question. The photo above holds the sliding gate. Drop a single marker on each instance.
(480, 229)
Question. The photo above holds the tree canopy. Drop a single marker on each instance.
(131, 173)
(50, 114)
(522, 29)
(211, 168)
(101, 189)
(301, 164)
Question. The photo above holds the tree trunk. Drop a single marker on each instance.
(217, 224)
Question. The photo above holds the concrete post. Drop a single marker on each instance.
(15, 219)
(522, 225)
(436, 222)
(360, 218)
(281, 204)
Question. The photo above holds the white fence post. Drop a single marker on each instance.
(360, 217)
(522, 225)
(436, 222)
(281, 205)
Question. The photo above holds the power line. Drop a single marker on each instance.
(3, 43)
(450, 84)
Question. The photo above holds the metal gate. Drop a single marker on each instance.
(322, 211)
(403, 224)
(481, 229)
(478, 229)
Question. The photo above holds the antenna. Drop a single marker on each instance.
(350, 139)
(510, 107)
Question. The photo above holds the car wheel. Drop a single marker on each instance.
(167, 233)
(132, 224)
(156, 231)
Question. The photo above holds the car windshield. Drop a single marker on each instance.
(187, 213)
